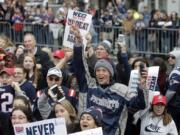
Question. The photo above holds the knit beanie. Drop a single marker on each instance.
(104, 63)
(68, 106)
(107, 45)
(96, 113)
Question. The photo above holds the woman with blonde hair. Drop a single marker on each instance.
(6, 43)
(61, 109)
(66, 110)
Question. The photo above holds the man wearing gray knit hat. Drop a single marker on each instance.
(103, 71)
(103, 49)
(104, 63)
(101, 91)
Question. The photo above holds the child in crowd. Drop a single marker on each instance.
(65, 110)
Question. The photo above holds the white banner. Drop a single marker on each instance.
(55, 126)
(151, 81)
(153, 73)
(79, 19)
(134, 80)
(95, 131)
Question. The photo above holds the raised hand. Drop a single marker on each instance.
(78, 38)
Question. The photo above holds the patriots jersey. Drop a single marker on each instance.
(7, 94)
(174, 79)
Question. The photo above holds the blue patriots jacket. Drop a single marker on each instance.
(113, 100)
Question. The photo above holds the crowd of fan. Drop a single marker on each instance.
(17, 11)
(86, 87)
(114, 14)
(42, 84)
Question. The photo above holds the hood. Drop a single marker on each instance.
(176, 53)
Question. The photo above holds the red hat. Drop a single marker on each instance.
(9, 71)
(59, 54)
(159, 99)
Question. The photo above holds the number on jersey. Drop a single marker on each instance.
(6, 105)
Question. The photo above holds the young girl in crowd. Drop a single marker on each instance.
(33, 74)
(157, 120)
(66, 110)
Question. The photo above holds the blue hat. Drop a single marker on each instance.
(96, 113)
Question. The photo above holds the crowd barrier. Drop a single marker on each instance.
(148, 40)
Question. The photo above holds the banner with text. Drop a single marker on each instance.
(95, 131)
(150, 82)
(134, 80)
(78, 19)
(55, 126)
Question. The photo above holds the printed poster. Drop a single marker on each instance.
(134, 80)
(79, 19)
(151, 81)
(55, 126)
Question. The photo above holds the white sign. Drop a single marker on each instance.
(95, 131)
(78, 19)
(152, 77)
(134, 80)
(55, 126)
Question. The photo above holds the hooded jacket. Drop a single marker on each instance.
(176, 53)
(173, 93)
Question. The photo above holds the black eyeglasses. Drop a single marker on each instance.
(172, 57)
(54, 78)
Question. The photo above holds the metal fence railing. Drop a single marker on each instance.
(148, 40)
(5, 28)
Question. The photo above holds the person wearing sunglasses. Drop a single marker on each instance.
(173, 89)
(55, 92)
(171, 60)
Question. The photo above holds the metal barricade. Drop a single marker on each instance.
(40, 31)
(144, 41)
(5, 29)
(157, 40)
